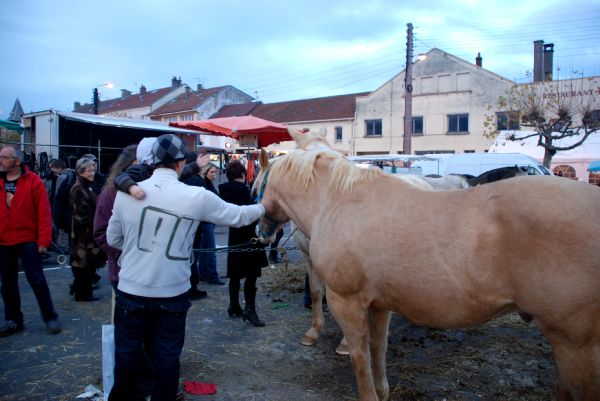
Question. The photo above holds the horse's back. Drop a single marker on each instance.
(529, 242)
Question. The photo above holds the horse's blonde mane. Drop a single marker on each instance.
(301, 163)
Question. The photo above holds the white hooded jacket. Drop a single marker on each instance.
(156, 233)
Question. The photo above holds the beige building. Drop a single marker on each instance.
(451, 98)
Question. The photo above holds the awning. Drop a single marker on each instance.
(11, 125)
(594, 166)
(256, 131)
(124, 122)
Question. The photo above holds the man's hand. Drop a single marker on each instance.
(137, 192)
(203, 159)
(42, 249)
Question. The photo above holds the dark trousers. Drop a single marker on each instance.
(9, 275)
(149, 336)
(194, 266)
(275, 244)
(207, 261)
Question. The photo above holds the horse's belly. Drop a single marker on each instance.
(449, 311)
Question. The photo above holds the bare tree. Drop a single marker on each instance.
(554, 110)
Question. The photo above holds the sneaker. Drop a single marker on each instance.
(53, 326)
(10, 328)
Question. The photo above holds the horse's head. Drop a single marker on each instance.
(274, 217)
(309, 140)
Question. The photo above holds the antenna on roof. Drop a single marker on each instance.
(255, 95)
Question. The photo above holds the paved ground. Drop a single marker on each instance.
(505, 360)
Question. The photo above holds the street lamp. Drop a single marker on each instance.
(96, 98)
(406, 145)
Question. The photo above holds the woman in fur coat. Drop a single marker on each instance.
(86, 256)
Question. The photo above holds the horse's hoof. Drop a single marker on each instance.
(342, 349)
(308, 341)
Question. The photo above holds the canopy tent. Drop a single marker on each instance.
(594, 166)
(579, 158)
(247, 130)
(11, 125)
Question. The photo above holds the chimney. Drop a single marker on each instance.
(548, 61)
(76, 105)
(538, 61)
(188, 90)
(125, 93)
(478, 60)
(174, 82)
(200, 87)
(142, 90)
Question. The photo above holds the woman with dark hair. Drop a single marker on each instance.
(242, 264)
(86, 257)
(104, 207)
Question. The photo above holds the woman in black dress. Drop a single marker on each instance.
(242, 264)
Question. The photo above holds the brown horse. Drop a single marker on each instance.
(449, 259)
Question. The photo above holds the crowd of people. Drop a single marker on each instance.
(152, 223)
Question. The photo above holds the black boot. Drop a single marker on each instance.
(234, 310)
(273, 258)
(251, 316)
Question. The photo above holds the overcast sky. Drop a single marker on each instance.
(56, 52)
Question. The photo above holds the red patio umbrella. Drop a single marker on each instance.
(267, 132)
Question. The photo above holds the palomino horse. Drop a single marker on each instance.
(317, 290)
(528, 244)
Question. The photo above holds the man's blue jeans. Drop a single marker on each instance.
(9, 276)
(207, 261)
(149, 336)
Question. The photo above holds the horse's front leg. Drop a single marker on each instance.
(379, 324)
(352, 316)
(316, 294)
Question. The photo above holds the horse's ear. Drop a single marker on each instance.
(296, 134)
(323, 133)
(263, 160)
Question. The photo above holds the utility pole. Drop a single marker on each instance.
(406, 146)
(96, 100)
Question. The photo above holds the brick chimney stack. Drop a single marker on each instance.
(125, 93)
(548, 61)
(543, 55)
(175, 83)
(143, 90)
(479, 60)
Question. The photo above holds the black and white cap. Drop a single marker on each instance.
(168, 149)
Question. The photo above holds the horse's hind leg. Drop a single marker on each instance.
(379, 323)
(353, 318)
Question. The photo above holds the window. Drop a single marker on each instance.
(417, 125)
(469, 151)
(507, 120)
(592, 118)
(172, 119)
(373, 127)
(433, 152)
(186, 117)
(338, 134)
(458, 123)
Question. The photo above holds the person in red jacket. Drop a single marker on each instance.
(25, 232)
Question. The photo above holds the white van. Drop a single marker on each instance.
(477, 163)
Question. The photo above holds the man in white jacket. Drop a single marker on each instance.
(156, 235)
